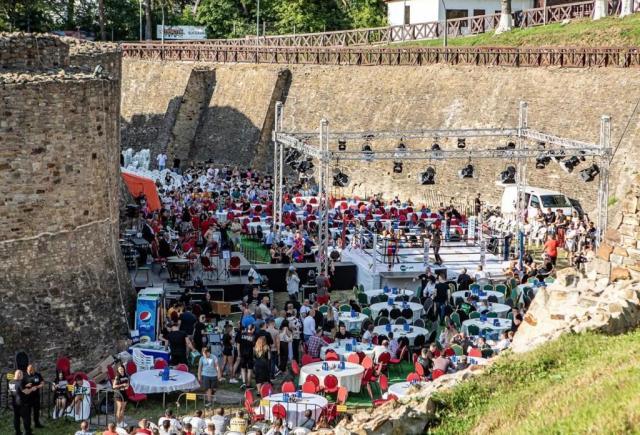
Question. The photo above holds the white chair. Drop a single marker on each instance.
(142, 361)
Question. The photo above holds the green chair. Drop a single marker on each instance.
(549, 280)
(474, 315)
(510, 315)
(362, 299)
(532, 280)
(361, 287)
(455, 318)
(457, 349)
(473, 330)
(502, 288)
(515, 293)
(345, 308)
(382, 321)
(383, 298)
(487, 288)
(418, 292)
(367, 311)
(323, 309)
(513, 283)
(473, 287)
(375, 299)
(492, 315)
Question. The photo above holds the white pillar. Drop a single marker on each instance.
(627, 8)
(600, 9)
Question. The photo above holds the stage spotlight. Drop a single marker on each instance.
(462, 142)
(291, 156)
(508, 176)
(467, 172)
(304, 165)
(428, 177)
(397, 167)
(511, 146)
(542, 161)
(435, 147)
(342, 145)
(590, 173)
(569, 164)
(401, 149)
(340, 179)
(367, 152)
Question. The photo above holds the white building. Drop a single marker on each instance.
(401, 12)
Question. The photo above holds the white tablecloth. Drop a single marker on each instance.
(378, 292)
(503, 325)
(401, 388)
(471, 360)
(398, 332)
(352, 323)
(339, 347)
(500, 309)
(460, 294)
(417, 308)
(295, 411)
(350, 377)
(150, 381)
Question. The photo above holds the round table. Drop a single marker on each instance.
(401, 389)
(502, 325)
(471, 360)
(398, 331)
(380, 291)
(295, 410)
(150, 381)
(461, 294)
(416, 308)
(350, 377)
(339, 347)
(500, 309)
(352, 323)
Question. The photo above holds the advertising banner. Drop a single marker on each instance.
(176, 33)
(146, 318)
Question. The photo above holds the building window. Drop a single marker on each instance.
(478, 12)
(453, 14)
(407, 14)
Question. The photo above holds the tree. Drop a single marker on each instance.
(506, 20)
(148, 28)
(103, 35)
(365, 13)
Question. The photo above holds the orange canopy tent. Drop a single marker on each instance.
(141, 185)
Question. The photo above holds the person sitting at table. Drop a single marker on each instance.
(464, 280)
(278, 428)
(394, 345)
(238, 423)
(380, 349)
(503, 343)
(329, 323)
(308, 422)
(517, 321)
(367, 336)
(315, 344)
(442, 363)
(425, 359)
(448, 334)
(462, 363)
(342, 333)
(354, 305)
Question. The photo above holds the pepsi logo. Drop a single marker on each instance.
(145, 315)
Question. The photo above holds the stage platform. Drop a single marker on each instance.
(455, 255)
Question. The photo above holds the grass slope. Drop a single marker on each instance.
(607, 32)
(584, 383)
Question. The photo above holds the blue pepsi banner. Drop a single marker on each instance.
(146, 318)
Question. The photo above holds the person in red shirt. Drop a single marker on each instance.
(143, 428)
(551, 249)
(111, 430)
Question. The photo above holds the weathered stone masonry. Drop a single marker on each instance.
(64, 286)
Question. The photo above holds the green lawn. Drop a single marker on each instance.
(607, 32)
(585, 383)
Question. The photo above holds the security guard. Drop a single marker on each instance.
(35, 379)
(19, 389)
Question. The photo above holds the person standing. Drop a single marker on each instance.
(208, 374)
(293, 283)
(19, 389)
(178, 342)
(120, 386)
(436, 241)
(161, 158)
(551, 248)
(245, 350)
(37, 383)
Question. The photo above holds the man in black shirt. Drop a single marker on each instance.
(35, 379)
(441, 296)
(179, 342)
(436, 241)
(261, 326)
(245, 350)
(19, 388)
(426, 278)
(464, 281)
(187, 321)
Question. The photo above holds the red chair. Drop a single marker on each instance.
(182, 367)
(436, 374)
(448, 352)
(72, 377)
(419, 369)
(314, 379)
(383, 382)
(248, 396)
(331, 411)
(309, 388)
(330, 384)
(266, 390)
(111, 373)
(331, 356)
(475, 352)
(234, 265)
(279, 411)
(159, 363)
(367, 363)
(63, 364)
(415, 357)
(93, 388)
(295, 368)
(383, 362)
(248, 406)
(353, 358)
(308, 359)
(413, 377)
(288, 387)
(131, 368)
(134, 397)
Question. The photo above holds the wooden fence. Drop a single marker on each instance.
(368, 56)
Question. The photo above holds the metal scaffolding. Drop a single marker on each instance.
(327, 160)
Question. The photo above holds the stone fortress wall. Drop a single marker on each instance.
(565, 102)
(64, 286)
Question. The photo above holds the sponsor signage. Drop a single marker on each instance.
(176, 33)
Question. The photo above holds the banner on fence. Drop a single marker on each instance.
(176, 33)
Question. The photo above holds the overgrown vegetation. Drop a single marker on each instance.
(585, 383)
(607, 32)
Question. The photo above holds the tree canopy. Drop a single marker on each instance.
(222, 18)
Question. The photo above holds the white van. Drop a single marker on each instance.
(536, 198)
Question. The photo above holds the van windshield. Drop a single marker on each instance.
(555, 201)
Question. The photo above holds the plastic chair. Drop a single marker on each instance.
(279, 411)
(182, 367)
(288, 387)
(492, 315)
(400, 321)
(331, 356)
(266, 390)
(134, 397)
(324, 309)
(413, 377)
(473, 330)
(474, 315)
(295, 368)
(234, 265)
(131, 368)
(455, 318)
(330, 384)
(314, 379)
(436, 374)
(367, 363)
(475, 352)
(308, 359)
(63, 364)
(419, 369)
(248, 406)
(353, 358)
(309, 387)
(367, 312)
(159, 363)
(381, 321)
(345, 308)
